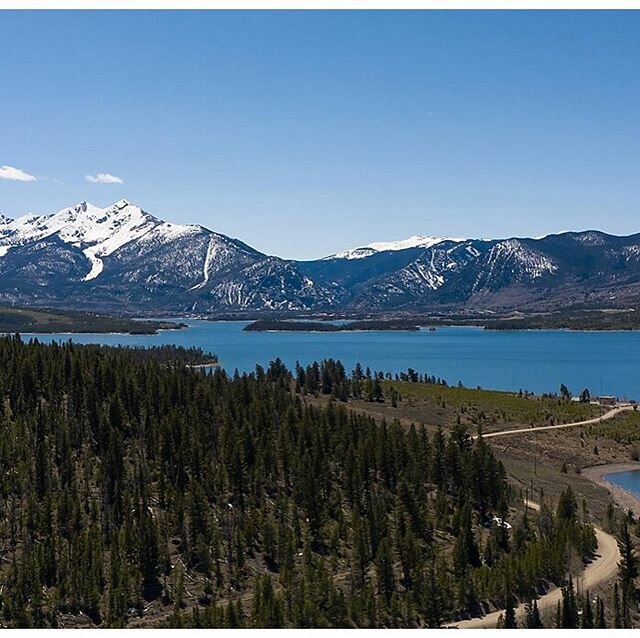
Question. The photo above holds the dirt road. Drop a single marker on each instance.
(601, 569)
(606, 416)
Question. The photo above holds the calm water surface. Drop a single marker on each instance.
(627, 480)
(539, 361)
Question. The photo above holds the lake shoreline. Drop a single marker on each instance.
(534, 361)
(624, 498)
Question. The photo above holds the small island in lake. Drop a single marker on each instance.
(279, 325)
(598, 320)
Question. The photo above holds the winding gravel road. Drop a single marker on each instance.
(605, 417)
(601, 569)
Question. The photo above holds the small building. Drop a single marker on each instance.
(607, 400)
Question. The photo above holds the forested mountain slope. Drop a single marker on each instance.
(139, 492)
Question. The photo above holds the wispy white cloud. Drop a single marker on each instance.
(16, 175)
(104, 178)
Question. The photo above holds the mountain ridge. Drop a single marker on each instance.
(415, 241)
(123, 258)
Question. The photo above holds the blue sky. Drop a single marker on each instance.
(303, 133)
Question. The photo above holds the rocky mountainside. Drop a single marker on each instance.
(586, 268)
(121, 258)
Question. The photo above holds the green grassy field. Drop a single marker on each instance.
(488, 408)
(625, 428)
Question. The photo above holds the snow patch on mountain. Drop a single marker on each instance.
(631, 252)
(416, 241)
(590, 237)
(523, 262)
(428, 274)
(211, 251)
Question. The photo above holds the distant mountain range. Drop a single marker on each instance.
(121, 258)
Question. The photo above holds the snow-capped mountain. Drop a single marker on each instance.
(121, 258)
(416, 241)
(99, 232)
(499, 274)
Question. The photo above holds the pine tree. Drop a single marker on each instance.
(510, 612)
(628, 569)
(570, 614)
(384, 569)
(532, 616)
(376, 391)
(567, 505)
(433, 604)
(600, 622)
(267, 606)
(617, 610)
(465, 551)
(586, 619)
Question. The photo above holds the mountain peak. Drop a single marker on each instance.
(120, 204)
(98, 232)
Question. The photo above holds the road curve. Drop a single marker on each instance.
(601, 570)
(605, 417)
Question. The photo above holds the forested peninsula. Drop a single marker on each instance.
(30, 320)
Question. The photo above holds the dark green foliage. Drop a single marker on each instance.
(569, 606)
(586, 619)
(510, 613)
(564, 320)
(532, 616)
(600, 621)
(585, 396)
(232, 502)
(567, 505)
(465, 550)
(618, 621)
(628, 570)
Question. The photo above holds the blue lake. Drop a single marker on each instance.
(629, 481)
(538, 361)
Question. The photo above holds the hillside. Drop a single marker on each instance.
(148, 495)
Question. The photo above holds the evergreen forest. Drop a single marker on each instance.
(138, 491)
